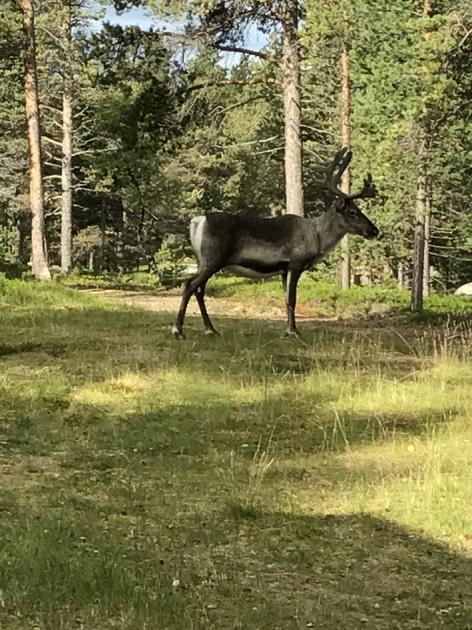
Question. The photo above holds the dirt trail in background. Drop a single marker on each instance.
(252, 308)
(221, 307)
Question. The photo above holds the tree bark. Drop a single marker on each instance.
(419, 238)
(428, 199)
(427, 236)
(103, 232)
(345, 266)
(400, 276)
(292, 110)
(421, 207)
(40, 268)
(67, 143)
(20, 240)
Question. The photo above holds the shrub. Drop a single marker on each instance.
(170, 260)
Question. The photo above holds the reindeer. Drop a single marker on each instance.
(285, 245)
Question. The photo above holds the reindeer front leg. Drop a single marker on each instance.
(290, 281)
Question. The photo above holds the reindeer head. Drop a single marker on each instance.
(355, 221)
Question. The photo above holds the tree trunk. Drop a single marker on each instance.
(345, 267)
(20, 240)
(120, 241)
(292, 110)
(103, 231)
(428, 200)
(40, 268)
(66, 172)
(421, 209)
(420, 213)
(400, 276)
(426, 263)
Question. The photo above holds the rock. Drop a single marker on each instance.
(465, 289)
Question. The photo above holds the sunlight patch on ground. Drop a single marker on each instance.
(144, 479)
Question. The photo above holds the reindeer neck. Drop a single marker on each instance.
(330, 230)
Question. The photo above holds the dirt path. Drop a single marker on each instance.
(250, 309)
(221, 307)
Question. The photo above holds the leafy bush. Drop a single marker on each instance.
(12, 270)
(24, 293)
(170, 260)
(135, 281)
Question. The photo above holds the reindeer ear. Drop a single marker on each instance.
(339, 204)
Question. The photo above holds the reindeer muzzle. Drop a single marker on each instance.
(373, 232)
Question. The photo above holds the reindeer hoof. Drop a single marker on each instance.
(178, 334)
(211, 331)
(296, 334)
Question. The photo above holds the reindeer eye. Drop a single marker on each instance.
(352, 213)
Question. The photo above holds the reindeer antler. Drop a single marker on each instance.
(368, 190)
(334, 171)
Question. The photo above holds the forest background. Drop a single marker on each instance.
(143, 126)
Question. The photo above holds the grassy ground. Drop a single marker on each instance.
(317, 298)
(239, 482)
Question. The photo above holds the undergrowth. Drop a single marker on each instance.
(315, 297)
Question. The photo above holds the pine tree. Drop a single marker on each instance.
(39, 262)
(67, 140)
(222, 25)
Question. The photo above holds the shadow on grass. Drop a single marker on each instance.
(206, 412)
(350, 572)
(57, 332)
(204, 420)
(42, 412)
(125, 524)
(277, 571)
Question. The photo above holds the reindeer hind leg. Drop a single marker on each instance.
(200, 295)
(192, 285)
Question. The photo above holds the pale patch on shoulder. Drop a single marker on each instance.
(197, 225)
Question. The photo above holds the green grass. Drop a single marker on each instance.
(239, 482)
(316, 297)
(134, 281)
(324, 299)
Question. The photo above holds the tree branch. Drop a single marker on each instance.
(176, 35)
(219, 109)
(248, 51)
(194, 37)
(52, 109)
(274, 150)
(220, 82)
(50, 140)
(248, 143)
(464, 39)
(54, 36)
(81, 111)
(89, 152)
